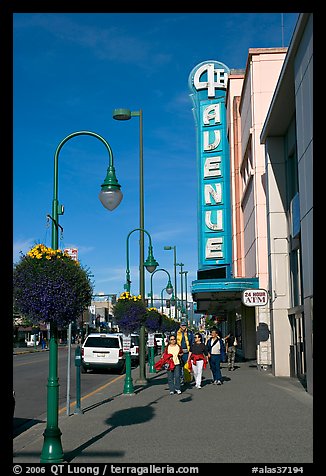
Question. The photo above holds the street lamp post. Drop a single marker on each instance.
(169, 290)
(175, 277)
(169, 287)
(181, 282)
(124, 115)
(110, 197)
(150, 264)
(186, 297)
(162, 303)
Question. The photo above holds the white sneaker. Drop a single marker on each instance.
(198, 386)
(178, 392)
(171, 393)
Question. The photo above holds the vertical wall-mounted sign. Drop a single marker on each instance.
(207, 82)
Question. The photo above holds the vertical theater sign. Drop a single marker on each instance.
(207, 82)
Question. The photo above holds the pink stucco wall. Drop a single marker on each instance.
(262, 72)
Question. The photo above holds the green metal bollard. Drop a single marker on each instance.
(128, 388)
(52, 448)
(78, 410)
(152, 369)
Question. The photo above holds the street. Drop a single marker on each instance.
(30, 374)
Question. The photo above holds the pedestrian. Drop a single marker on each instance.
(197, 358)
(185, 339)
(43, 343)
(231, 349)
(216, 355)
(174, 374)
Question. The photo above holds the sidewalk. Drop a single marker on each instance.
(253, 418)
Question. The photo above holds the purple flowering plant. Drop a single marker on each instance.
(153, 320)
(129, 312)
(49, 286)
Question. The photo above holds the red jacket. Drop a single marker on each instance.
(165, 359)
(194, 358)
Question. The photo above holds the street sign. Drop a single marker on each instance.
(150, 340)
(254, 297)
(126, 343)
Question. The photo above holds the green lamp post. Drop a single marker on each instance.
(169, 290)
(150, 264)
(162, 299)
(110, 197)
(169, 287)
(125, 115)
(181, 287)
(175, 276)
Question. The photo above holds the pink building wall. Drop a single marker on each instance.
(248, 100)
(262, 72)
(235, 82)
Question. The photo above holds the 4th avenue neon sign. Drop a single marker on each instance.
(207, 82)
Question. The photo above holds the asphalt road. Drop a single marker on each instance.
(30, 375)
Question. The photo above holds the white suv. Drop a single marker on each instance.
(103, 351)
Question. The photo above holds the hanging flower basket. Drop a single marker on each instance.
(49, 286)
(153, 320)
(129, 312)
(168, 324)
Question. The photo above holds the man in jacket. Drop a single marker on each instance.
(185, 339)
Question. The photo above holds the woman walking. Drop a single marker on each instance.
(175, 373)
(198, 359)
(216, 355)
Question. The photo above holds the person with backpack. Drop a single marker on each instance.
(216, 354)
(231, 349)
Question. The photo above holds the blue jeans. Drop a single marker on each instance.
(174, 378)
(215, 365)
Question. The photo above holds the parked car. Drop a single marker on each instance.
(32, 341)
(103, 351)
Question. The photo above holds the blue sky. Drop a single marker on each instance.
(70, 71)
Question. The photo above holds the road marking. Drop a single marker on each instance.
(93, 392)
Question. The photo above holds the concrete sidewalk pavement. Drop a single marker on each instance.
(252, 418)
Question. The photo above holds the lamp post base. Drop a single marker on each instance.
(52, 449)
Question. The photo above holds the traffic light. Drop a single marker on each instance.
(113, 299)
(168, 303)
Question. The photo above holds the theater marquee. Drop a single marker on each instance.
(207, 82)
